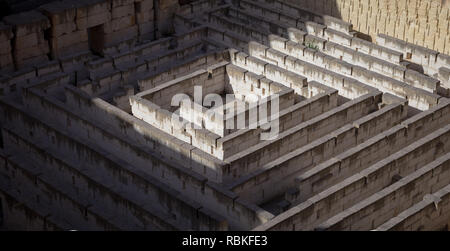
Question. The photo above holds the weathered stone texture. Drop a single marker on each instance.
(291, 118)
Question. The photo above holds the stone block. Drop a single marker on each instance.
(144, 17)
(118, 3)
(59, 12)
(29, 52)
(48, 68)
(5, 47)
(98, 19)
(256, 49)
(95, 7)
(31, 61)
(6, 32)
(27, 22)
(315, 29)
(123, 11)
(5, 60)
(121, 35)
(277, 42)
(29, 40)
(146, 28)
(119, 24)
(143, 5)
(81, 23)
(67, 40)
(296, 35)
(65, 28)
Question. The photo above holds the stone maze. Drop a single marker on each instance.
(91, 138)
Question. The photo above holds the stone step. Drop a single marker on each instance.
(258, 188)
(302, 133)
(96, 182)
(130, 169)
(429, 59)
(119, 146)
(33, 191)
(347, 87)
(388, 203)
(430, 214)
(419, 98)
(343, 188)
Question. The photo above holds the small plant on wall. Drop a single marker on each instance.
(312, 46)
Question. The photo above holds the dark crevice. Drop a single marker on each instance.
(96, 39)
(48, 39)
(13, 49)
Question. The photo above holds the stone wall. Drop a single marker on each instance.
(388, 202)
(370, 156)
(430, 214)
(67, 27)
(422, 22)
(73, 153)
(192, 185)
